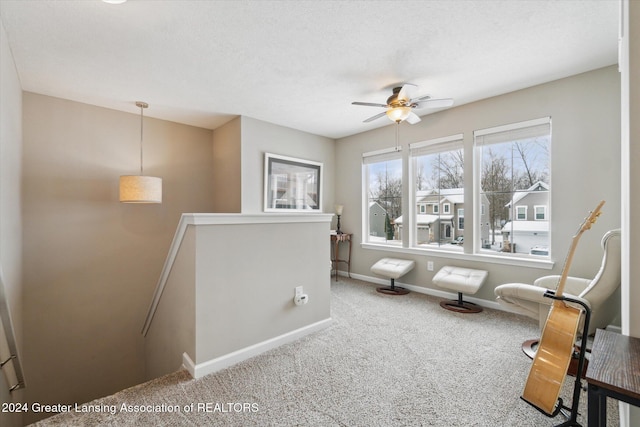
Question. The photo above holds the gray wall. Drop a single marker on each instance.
(232, 287)
(227, 168)
(173, 328)
(260, 137)
(239, 149)
(10, 205)
(585, 168)
(246, 279)
(91, 263)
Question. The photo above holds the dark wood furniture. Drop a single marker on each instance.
(335, 252)
(614, 371)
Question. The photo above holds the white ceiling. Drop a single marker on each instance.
(299, 64)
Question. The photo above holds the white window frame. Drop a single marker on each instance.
(431, 146)
(370, 157)
(544, 212)
(515, 131)
(460, 215)
(520, 208)
(446, 208)
(477, 210)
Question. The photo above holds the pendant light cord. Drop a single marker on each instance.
(141, 135)
(142, 106)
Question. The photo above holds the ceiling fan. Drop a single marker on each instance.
(400, 105)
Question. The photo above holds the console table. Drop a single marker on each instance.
(613, 372)
(335, 252)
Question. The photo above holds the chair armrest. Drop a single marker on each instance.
(548, 282)
(522, 291)
(573, 285)
(522, 298)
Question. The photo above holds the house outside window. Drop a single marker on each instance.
(437, 169)
(460, 219)
(514, 175)
(382, 182)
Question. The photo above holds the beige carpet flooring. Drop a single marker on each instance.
(384, 361)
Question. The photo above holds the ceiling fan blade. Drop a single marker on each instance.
(420, 99)
(436, 103)
(413, 118)
(407, 91)
(369, 104)
(377, 116)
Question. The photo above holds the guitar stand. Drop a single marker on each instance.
(572, 417)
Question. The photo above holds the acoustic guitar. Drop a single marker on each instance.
(555, 349)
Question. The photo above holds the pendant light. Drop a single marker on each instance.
(140, 188)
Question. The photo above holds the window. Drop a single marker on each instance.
(514, 173)
(382, 173)
(437, 171)
(509, 212)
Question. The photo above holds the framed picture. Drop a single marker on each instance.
(292, 185)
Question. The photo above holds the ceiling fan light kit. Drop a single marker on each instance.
(400, 105)
(398, 114)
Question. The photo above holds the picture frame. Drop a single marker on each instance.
(291, 184)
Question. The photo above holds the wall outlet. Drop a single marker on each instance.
(299, 291)
(430, 265)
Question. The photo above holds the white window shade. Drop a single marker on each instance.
(381, 155)
(514, 132)
(439, 145)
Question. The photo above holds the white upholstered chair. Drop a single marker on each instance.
(529, 299)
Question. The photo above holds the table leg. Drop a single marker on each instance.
(349, 260)
(597, 407)
(336, 250)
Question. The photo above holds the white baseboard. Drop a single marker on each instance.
(429, 291)
(222, 362)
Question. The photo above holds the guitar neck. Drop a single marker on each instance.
(586, 225)
(565, 269)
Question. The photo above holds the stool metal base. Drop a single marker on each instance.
(465, 307)
(395, 290)
(460, 306)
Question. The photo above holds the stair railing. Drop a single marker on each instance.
(8, 345)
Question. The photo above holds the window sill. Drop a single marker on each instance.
(522, 261)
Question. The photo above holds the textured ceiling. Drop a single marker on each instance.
(299, 64)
